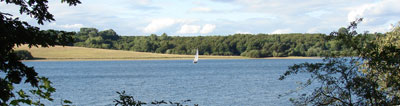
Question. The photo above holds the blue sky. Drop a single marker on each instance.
(219, 17)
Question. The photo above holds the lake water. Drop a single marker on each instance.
(244, 82)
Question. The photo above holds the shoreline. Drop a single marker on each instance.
(165, 58)
(72, 53)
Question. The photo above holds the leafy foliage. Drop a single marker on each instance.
(371, 77)
(339, 83)
(23, 54)
(15, 32)
(259, 45)
(126, 100)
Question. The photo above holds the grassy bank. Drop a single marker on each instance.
(81, 53)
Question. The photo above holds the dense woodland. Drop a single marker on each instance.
(249, 45)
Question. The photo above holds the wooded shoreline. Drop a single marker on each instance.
(70, 53)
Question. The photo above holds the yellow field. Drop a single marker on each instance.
(81, 53)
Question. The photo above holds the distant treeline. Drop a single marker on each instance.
(249, 45)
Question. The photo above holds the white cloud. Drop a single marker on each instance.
(193, 29)
(242, 32)
(64, 26)
(285, 7)
(281, 31)
(207, 28)
(189, 29)
(143, 2)
(380, 29)
(201, 9)
(358, 13)
(165, 23)
(141, 17)
(71, 26)
(384, 8)
(313, 30)
(377, 16)
(159, 24)
(317, 13)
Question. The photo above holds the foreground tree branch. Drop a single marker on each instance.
(370, 76)
(15, 32)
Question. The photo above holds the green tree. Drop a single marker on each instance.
(164, 36)
(252, 54)
(109, 34)
(15, 32)
(164, 46)
(86, 31)
(153, 37)
(127, 100)
(369, 78)
(92, 34)
(277, 45)
(23, 54)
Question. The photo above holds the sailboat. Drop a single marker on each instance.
(196, 57)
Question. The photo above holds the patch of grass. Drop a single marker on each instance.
(81, 53)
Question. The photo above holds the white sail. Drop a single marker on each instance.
(196, 57)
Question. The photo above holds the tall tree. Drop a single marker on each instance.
(15, 32)
(371, 77)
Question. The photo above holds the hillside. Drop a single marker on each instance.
(81, 53)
